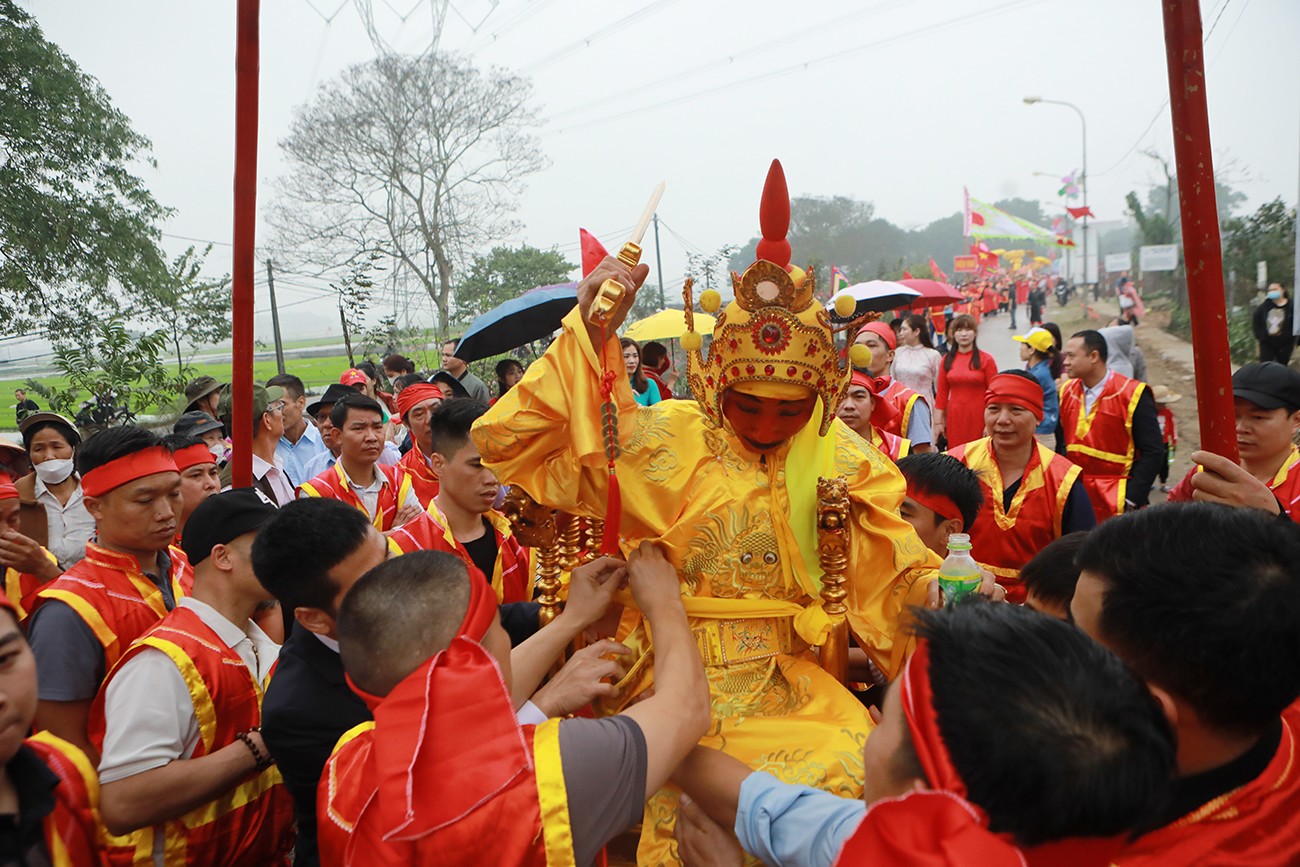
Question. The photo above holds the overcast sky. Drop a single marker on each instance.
(898, 102)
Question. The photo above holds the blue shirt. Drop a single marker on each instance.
(918, 425)
(297, 456)
(1042, 371)
(793, 826)
(651, 395)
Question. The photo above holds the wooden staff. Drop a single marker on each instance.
(833, 555)
(241, 267)
(1202, 254)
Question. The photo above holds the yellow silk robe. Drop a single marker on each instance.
(742, 533)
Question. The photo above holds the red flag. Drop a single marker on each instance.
(907, 275)
(1063, 241)
(936, 272)
(976, 218)
(1080, 213)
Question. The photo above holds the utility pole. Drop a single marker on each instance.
(275, 318)
(659, 261)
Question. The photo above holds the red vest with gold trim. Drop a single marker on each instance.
(1101, 442)
(20, 588)
(1285, 485)
(526, 824)
(1001, 540)
(252, 824)
(333, 485)
(1256, 825)
(892, 445)
(424, 484)
(72, 827)
(116, 600)
(511, 579)
(904, 399)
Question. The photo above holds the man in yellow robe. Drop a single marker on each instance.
(728, 483)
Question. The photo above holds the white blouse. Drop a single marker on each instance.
(917, 367)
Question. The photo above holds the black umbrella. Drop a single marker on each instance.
(532, 316)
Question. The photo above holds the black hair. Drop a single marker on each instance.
(368, 368)
(962, 320)
(1203, 600)
(1015, 371)
(399, 363)
(504, 366)
(1051, 574)
(68, 433)
(113, 443)
(1057, 363)
(1093, 341)
(407, 379)
(449, 424)
(339, 412)
(921, 326)
(291, 384)
(640, 382)
(1075, 745)
(653, 353)
(398, 615)
(941, 473)
(295, 550)
(174, 442)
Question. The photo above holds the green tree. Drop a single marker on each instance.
(1268, 235)
(353, 291)
(74, 220)
(124, 374)
(505, 273)
(192, 309)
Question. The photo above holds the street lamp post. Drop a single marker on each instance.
(1083, 178)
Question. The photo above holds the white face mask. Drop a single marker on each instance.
(54, 470)
(220, 451)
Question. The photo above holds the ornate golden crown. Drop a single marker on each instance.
(774, 332)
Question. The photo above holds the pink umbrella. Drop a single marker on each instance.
(933, 293)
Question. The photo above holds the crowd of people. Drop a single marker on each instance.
(356, 659)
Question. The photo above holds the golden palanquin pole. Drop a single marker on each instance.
(536, 527)
(833, 556)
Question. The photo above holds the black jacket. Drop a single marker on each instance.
(307, 708)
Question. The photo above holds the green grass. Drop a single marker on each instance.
(316, 374)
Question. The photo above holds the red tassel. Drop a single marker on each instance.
(613, 518)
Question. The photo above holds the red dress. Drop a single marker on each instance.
(960, 395)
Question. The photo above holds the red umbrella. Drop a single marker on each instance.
(933, 293)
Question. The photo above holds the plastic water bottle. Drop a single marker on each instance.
(959, 575)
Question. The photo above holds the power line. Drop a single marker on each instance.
(783, 42)
(597, 35)
(805, 65)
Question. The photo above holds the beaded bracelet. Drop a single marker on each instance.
(263, 760)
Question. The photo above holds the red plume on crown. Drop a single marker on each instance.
(593, 252)
(774, 218)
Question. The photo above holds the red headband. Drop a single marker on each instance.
(414, 394)
(1017, 391)
(941, 504)
(882, 411)
(191, 456)
(420, 750)
(8, 491)
(923, 721)
(127, 468)
(884, 331)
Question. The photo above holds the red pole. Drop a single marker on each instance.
(1202, 253)
(241, 385)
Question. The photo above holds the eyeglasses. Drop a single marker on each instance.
(278, 406)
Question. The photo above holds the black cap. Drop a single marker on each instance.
(195, 424)
(222, 518)
(1268, 385)
(443, 378)
(333, 394)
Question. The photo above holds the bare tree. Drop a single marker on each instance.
(420, 158)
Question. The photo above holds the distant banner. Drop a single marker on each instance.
(982, 220)
(965, 264)
(1158, 257)
(1116, 262)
